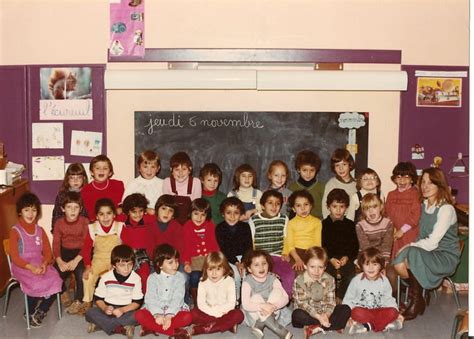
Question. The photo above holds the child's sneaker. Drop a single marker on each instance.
(92, 327)
(311, 330)
(32, 324)
(129, 331)
(37, 317)
(357, 328)
(258, 333)
(394, 325)
(75, 307)
(66, 299)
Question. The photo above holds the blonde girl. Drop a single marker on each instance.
(216, 299)
(245, 188)
(277, 175)
(367, 181)
(74, 179)
(374, 230)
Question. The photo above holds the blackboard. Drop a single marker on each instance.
(230, 139)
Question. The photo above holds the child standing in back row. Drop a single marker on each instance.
(147, 183)
(101, 185)
(31, 259)
(245, 188)
(182, 185)
(342, 163)
(74, 179)
(211, 177)
(307, 164)
(277, 175)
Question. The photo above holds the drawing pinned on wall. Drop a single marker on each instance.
(65, 93)
(438, 92)
(417, 152)
(85, 143)
(127, 28)
(48, 168)
(47, 135)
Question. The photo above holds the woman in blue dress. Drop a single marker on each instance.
(435, 254)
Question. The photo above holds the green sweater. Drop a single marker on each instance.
(215, 201)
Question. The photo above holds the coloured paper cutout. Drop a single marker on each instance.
(48, 168)
(47, 135)
(87, 144)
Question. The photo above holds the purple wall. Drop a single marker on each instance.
(441, 131)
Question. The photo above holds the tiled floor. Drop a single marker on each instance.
(435, 323)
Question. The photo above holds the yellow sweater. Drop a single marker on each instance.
(302, 233)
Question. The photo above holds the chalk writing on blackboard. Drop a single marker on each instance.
(195, 121)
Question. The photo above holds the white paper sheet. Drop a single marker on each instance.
(47, 135)
(87, 144)
(48, 168)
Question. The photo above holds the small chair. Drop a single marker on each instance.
(426, 292)
(12, 282)
(460, 325)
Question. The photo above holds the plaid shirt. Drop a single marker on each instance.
(314, 297)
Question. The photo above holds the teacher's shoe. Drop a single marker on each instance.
(416, 304)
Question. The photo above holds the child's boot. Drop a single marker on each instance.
(75, 307)
(194, 293)
(129, 331)
(85, 306)
(257, 329)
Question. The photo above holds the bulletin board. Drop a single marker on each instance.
(66, 122)
(230, 139)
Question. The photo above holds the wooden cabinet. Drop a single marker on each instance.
(8, 218)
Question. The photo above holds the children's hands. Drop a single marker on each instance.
(150, 211)
(187, 268)
(167, 322)
(398, 234)
(323, 319)
(34, 269)
(73, 264)
(86, 273)
(343, 261)
(117, 312)
(299, 265)
(159, 319)
(109, 310)
(336, 263)
(285, 257)
(267, 309)
(43, 267)
(62, 265)
(241, 268)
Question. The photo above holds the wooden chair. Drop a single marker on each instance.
(12, 282)
(426, 292)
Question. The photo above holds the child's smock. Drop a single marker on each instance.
(30, 250)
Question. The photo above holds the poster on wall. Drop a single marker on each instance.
(438, 92)
(65, 93)
(127, 28)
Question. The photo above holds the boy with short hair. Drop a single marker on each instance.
(211, 178)
(308, 164)
(339, 238)
(117, 296)
(68, 239)
(182, 185)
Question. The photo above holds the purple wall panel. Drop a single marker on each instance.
(14, 129)
(441, 131)
(47, 190)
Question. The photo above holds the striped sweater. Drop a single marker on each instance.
(268, 233)
(378, 235)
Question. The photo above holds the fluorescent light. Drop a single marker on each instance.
(180, 79)
(332, 80)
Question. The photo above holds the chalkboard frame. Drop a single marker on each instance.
(168, 132)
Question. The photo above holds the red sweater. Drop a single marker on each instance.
(173, 235)
(93, 191)
(194, 245)
(69, 235)
(139, 235)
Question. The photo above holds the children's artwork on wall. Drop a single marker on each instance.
(65, 93)
(417, 152)
(47, 135)
(48, 168)
(438, 92)
(85, 143)
(127, 28)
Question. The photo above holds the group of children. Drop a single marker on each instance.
(159, 245)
